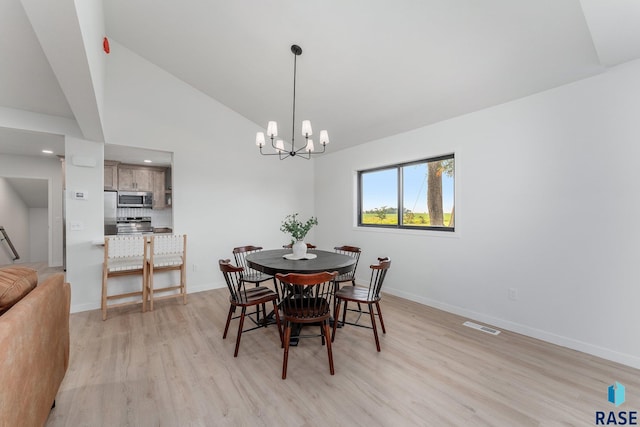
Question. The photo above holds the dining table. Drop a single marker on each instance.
(274, 261)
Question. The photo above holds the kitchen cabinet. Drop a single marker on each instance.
(159, 200)
(131, 178)
(110, 175)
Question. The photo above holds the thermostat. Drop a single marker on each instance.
(81, 195)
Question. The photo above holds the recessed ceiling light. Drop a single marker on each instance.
(148, 161)
(47, 151)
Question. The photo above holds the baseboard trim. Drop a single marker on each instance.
(573, 344)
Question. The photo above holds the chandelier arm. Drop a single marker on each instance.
(313, 152)
(303, 148)
(271, 154)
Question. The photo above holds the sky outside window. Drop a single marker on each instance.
(380, 188)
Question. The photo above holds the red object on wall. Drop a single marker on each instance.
(105, 45)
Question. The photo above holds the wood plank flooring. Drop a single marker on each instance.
(171, 367)
(42, 268)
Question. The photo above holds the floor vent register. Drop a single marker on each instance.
(482, 328)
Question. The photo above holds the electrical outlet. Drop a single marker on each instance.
(513, 294)
(194, 267)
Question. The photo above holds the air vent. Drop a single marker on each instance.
(482, 328)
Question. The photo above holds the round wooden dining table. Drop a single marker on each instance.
(272, 261)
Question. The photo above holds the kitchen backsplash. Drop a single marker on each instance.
(159, 217)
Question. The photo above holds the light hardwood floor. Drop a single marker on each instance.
(171, 367)
(42, 268)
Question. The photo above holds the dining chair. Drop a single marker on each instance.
(354, 252)
(365, 295)
(250, 275)
(167, 253)
(243, 297)
(124, 256)
(306, 300)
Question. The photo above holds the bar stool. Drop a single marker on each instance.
(124, 256)
(167, 253)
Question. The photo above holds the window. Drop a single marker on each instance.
(415, 195)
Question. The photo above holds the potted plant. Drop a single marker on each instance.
(297, 230)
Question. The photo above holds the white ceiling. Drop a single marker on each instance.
(368, 69)
(33, 192)
(27, 81)
(27, 143)
(137, 156)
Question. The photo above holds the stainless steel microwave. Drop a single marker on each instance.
(135, 199)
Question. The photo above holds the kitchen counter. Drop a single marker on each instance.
(159, 231)
(162, 230)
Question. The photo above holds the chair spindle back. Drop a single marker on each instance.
(378, 274)
(233, 278)
(307, 297)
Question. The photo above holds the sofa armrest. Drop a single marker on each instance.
(34, 352)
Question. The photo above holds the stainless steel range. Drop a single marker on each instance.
(134, 225)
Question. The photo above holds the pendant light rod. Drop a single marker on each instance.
(297, 50)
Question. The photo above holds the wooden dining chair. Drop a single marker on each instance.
(124, 256)
(354, 252)
(243, 297)
(364, 295)
(306, 300)
(250, 275)
(167, 253)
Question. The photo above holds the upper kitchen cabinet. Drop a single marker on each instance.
(110, 175)
(134, 178)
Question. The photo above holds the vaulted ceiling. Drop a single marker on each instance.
(369, 69)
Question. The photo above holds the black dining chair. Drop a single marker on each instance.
(243, 297)
(364, 295)
(307, 300)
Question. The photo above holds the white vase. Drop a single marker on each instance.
(299, 249)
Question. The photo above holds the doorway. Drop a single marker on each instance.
(31, 196)
(24, 212)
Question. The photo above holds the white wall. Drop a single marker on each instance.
(38, 234)
(547, 202)
(51, 170)
(84, 221)
(14, 217)
(224, 193)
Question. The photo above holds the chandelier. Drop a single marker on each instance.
(306, 150)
